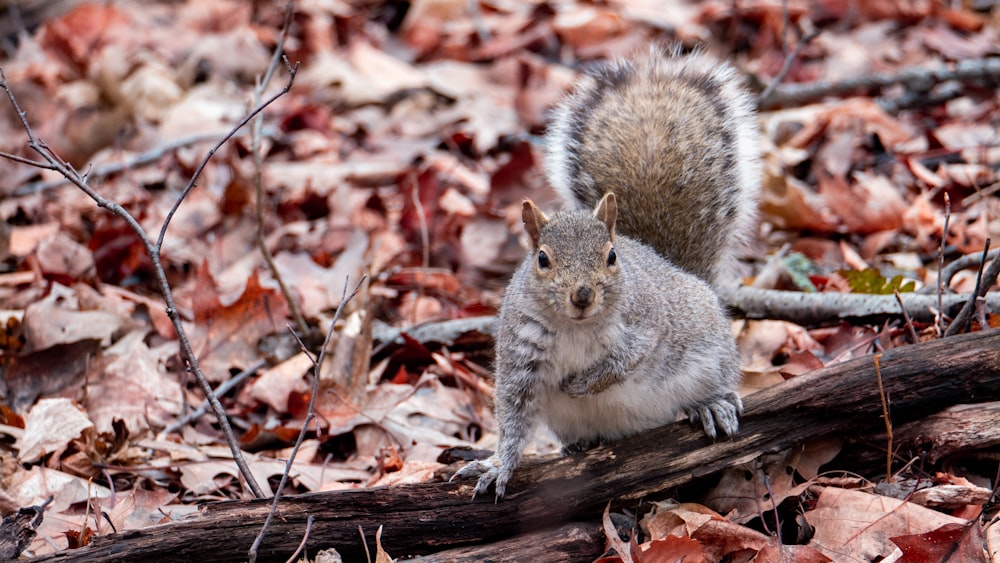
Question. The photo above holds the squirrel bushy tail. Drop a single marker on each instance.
(674, 137)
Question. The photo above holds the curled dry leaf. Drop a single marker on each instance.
(129, 383)
(745, 492)
(858, 525)
(56, 320)
(60, 255)
(226, 336)
(49, 427)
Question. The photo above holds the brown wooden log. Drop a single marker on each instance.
(955, 430)
(425, 518)
(577, 541)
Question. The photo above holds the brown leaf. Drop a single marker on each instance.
(951, 542)
(588, 25)
(868, 204)
(858, 525)
(56, 320)
(83, 30)
(129, 383)
(49, 427)
(225, 337)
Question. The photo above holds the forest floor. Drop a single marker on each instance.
(398, 159)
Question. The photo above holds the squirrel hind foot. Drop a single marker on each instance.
(720, 412)
(579, 446)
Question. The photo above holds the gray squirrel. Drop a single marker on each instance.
(612, 324)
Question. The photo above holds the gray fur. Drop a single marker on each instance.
(601, 336)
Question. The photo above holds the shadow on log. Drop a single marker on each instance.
(431, 517)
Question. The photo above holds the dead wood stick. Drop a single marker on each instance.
(578, 541)
(425, 518)
(917, 78)
(960, 428)
(821, 308)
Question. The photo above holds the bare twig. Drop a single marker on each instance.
(258, 164)
(785, 68)
(906, 317)
(364, 542)
(959, 264)
(915, 77)
(104, 170)
(225, 387)
(28, 161)
(310, 413)
(940, 287)
(292, 69)
(784, 29)
(305, 538)
(984, 281)
(56, 163)
(885, 417)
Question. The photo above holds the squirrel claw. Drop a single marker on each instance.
(721, 412)
(574, 386)
(488, 471)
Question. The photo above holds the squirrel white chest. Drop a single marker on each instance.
(576, 348)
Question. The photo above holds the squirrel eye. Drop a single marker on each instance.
(543, 259)
(612, 257)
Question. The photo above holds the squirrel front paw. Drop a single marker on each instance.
(586, 383)
(576, 385)
(488, 470)
(721, 412)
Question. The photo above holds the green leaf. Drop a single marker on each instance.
(871, 280)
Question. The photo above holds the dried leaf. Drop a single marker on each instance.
(49, 427)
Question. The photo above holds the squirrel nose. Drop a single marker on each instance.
(583, 297)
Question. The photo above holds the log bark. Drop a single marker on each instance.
(426, 518)
(578, 541)
(955, 430)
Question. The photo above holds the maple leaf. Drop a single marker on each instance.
(226, 336)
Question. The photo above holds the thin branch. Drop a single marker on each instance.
(906, 317)
(258, 164)
(28, 161)
(225, 387)
(292, 69)
(787, 66)
(305, 538)
(919, 78)
(984, 281)
(107, 169)
(961, 320)
(959, 264)
(187, 352)
(940, 287)
(317, 366)
(885, 417)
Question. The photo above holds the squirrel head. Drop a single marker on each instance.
(575, 263)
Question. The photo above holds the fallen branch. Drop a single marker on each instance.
(919, 79)
(99, 172)
(960, 429)
(578, 541)
(824, 308)
(424, 518)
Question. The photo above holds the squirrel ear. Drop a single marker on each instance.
(534, 220)
(607, 212)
